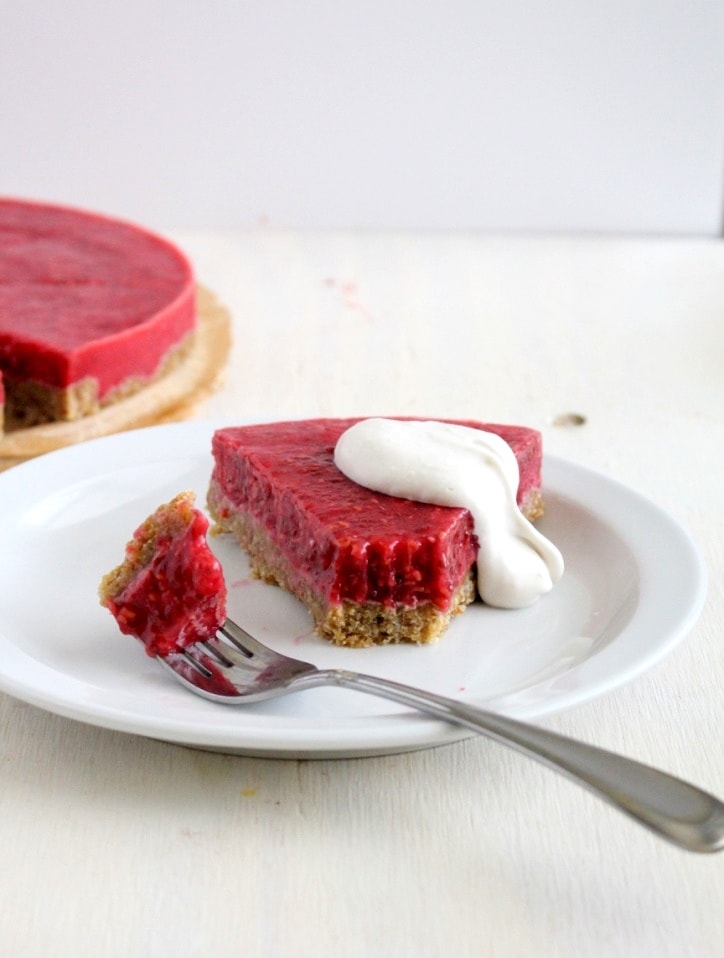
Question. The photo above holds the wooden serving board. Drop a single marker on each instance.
(172, 398)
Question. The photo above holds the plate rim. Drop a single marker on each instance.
(373, 736)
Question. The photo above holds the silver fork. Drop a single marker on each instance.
(235, 668)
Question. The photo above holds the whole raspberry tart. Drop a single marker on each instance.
(92, 309)
(372, 568)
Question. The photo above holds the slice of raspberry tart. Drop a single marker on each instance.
(372, 568)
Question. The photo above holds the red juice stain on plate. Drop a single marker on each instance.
(241, 583)
(303, 636)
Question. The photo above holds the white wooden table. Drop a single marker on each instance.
(114, 845)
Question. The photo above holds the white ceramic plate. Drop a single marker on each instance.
(633, 586)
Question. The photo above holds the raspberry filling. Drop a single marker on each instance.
(344, 541)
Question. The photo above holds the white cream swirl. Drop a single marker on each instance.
(452, 465)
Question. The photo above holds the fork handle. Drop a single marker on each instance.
(672, 808)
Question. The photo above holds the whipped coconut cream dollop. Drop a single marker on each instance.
(452, 465)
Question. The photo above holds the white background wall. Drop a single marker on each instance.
(559, 115)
